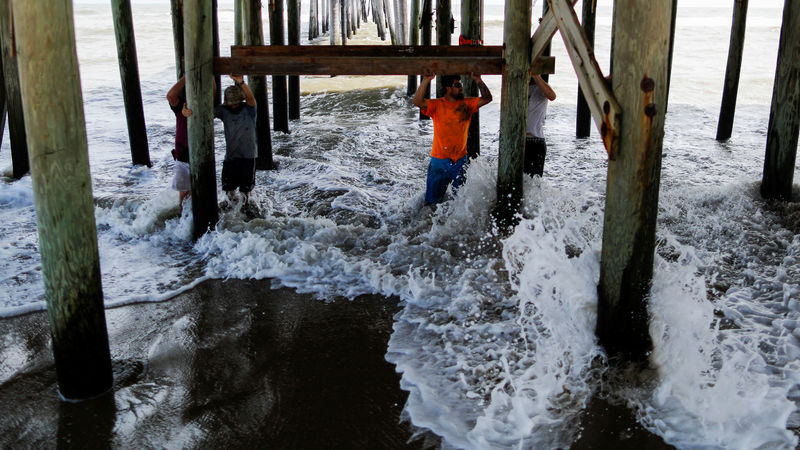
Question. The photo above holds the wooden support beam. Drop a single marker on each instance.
(129, 76)
(62, 187)
(293, 25)
(513, 112)
(16, 121)
(198, 36)
(413, 39)
(543, 34)
(426, 34)
(368, 60)
(471, 28)
(604, 107)
(280, 97)
(583, 116)
(734, 67)
(639, 82)
(444, 19)
(176, 7)
(784, 114)
(254, 36)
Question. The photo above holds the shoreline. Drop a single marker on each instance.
(236, 363)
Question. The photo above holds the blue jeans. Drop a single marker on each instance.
(442, 172)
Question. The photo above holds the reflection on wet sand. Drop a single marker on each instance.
(228, 363)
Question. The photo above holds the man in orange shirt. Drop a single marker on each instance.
(451, 116)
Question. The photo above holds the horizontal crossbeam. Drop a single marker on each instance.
(367, 60)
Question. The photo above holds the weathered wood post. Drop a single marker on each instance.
(413, 39)
(313, 25)
(335, 23)
(238, 34)
(198, 37)
(731, 88)
(13, 96)
(380, 21)
(444, 17)
(215, 31)
(280, 116)
(426, 27)
(583, 121)
(254, 35)
(293, 11)
(177, 34)
(546, 51)
(402, 21)
(346, 8)
(784, 115)
(62, 186)
(344, 26)
(129, 74)
(390, 22)
(639, 83)
(672, 23)
(471, 28)
(3, 104)
(513, 111)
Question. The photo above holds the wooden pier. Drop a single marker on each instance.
(627, 106)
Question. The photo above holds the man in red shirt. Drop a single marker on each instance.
(451, 116)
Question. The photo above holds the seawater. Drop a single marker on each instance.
(495, 340)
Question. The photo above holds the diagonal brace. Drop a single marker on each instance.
(544, 33)
(602, 103)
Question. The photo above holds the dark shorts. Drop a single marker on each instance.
(238, 173)
(442, 172)
(535, 151)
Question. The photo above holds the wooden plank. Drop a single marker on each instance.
(602, 104)
(368, 60)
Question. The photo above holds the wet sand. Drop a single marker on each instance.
(236, 364)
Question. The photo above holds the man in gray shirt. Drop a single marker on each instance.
(539, 94)
(238, 115)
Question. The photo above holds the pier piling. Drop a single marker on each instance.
(639, 82)
(13, 95)
(293, 12)
(732, 71)
(177, 34)
(784, 115)
(426, 32)
(254, 35)
(62, 186)
(129, 75)
(413, 39)
(583, 120)
(444, 17)
(513, 111)
(198, 38)
(280, 114)
(471, 28)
